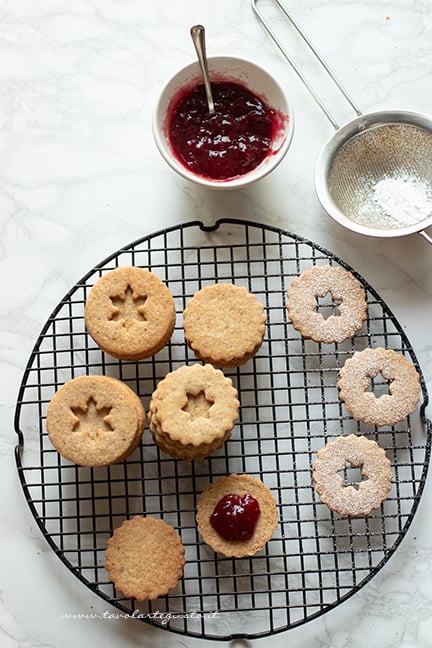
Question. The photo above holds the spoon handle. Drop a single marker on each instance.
(198, 38)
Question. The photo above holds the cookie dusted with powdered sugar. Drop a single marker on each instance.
(359, 452)
(317, 282)
(388, 409)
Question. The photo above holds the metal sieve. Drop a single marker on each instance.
(373, 175)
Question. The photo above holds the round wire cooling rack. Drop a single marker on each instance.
(289, 409)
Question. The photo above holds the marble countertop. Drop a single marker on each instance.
(81, 177)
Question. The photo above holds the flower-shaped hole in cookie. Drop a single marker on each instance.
(198, 405)
(128, 308)
(92, 421)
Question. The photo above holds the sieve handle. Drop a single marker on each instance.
(426, 236)
(295, 67)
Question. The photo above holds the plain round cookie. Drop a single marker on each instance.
(388, 409)
(192, 411)
(360, 452)
(130, 313)
(145, 558)
(241, 485)
(316, 282)
(95, 420)
(224, 324)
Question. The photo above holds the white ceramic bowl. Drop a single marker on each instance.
(248, 74)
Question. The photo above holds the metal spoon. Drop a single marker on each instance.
(198, 38)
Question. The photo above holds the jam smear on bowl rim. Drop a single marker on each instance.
(235, 516)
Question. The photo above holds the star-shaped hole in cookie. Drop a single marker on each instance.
(128, 308)
(327, 305)
(92, 421)
(198, 405)
(378, 385)
(352, 475)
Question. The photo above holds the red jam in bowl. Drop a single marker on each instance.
(230, 142)
(235, 516)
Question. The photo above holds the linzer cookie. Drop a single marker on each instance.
(192, 411)
(237, 515)
(224, 324)
(95, 420)
(346, 499)
(388, 409)
(145, 558)
(317, 282)
(130, 313)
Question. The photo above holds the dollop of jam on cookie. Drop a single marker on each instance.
(235, 516)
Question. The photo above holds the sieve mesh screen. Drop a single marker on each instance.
(382, 177)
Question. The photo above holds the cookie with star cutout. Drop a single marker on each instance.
(130, 313)
(192, 411)
(95, 420)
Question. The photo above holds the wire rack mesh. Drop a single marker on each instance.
(289, 410)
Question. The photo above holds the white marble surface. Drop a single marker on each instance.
(80, 176)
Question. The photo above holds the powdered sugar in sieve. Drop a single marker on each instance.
(405, 199)
(382, 177)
